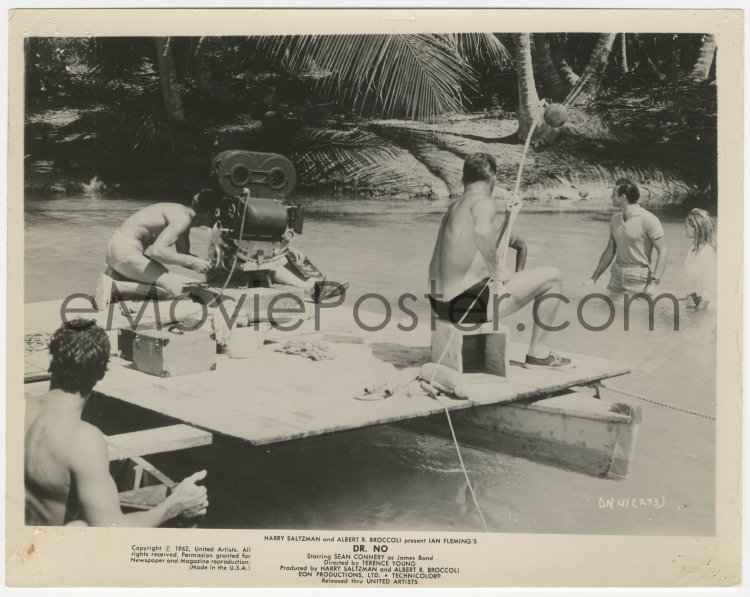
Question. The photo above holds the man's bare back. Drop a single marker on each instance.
(467, 284)
(66, 462)
(52, 426)
(147, 224)
(456, 261)
(147, 242)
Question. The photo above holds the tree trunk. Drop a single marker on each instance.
(182, 147)
(557, 52)
(705, 59)
(646, 59)
(170, 86)
(528, 100)
(588, 85)
(655, 69)
(202, 72)
(554, 88)
(623, 53)
(31, 68)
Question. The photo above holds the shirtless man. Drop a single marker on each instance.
(149, 240)
(66, 465)
(465, 258)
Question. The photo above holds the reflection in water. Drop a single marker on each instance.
(390, 477)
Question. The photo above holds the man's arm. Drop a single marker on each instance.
(605, 260)
(517, 243)
(166, 250)
(661, 259)
(183, 244)
(485, 232)
(97, 494)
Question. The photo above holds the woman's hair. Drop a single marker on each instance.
(80, 351)
(705, 228)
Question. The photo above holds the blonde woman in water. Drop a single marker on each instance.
(700, 263)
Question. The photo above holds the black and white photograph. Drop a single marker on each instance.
(449, 282)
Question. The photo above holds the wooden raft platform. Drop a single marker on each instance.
(275, 397)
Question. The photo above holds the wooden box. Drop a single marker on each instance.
(167, 353)
(484, 348)
(126, 337)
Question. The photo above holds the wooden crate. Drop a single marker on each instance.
(482, 348)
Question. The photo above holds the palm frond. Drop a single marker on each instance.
(418, 76)
(140, 126)
(340, 156)
(480, 47)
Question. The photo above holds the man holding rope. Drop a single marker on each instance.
(465, 270)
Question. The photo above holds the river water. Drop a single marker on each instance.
(389, 477)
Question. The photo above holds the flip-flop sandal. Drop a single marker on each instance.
(325, 290)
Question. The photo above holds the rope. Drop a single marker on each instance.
(463, 468)
(36, 341)
(659, 403)
(515, 208)
(503, 242)
(501, 252)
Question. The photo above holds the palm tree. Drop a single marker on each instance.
(705, 58)
(417, 76)
(528, 99)
(588, 85)
(169, 84)
(554, 88)
(623, 53)
(557, 51)
(183, 148)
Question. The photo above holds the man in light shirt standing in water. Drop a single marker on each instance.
(633, 234)
(465, 258)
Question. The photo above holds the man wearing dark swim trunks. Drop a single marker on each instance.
(465, 258)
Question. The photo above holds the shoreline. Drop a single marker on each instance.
(320, 203)
(426, 165)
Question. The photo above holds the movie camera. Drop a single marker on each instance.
(252, 223)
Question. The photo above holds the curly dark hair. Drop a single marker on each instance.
(479, 167)
(80, 351)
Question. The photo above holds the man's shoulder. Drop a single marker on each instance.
(649, 218)
(482, 204)
(649, 215)
(176, 212)
(84, 438)
(172, 206)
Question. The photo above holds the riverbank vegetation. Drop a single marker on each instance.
(375, 115)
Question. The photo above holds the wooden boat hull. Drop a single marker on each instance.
(573, 430)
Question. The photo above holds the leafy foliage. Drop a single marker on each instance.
(335, 155)
(480, 48)
(418, 76)
(303, 95)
